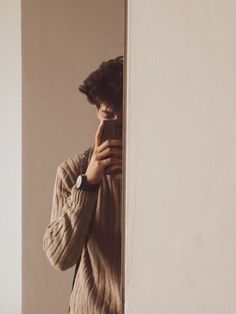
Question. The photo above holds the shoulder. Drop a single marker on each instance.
(69, 169)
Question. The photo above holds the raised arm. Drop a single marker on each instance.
(72, 208)
(72, 211)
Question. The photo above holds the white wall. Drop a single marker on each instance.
(181, 163)
(10, 157)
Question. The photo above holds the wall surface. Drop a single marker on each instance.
(62, 42)
(10, 157)
(181, 158)
(181, 123)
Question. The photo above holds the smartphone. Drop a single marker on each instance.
(111, 130)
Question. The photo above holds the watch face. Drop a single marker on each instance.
(79, 181)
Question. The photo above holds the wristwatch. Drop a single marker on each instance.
(83, 184)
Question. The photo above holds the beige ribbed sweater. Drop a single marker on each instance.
(85, 226)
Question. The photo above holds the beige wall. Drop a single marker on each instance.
(63, 41)
(181, 158)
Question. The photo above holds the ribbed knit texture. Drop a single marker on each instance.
(85, 227)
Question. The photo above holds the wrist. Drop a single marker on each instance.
(91, 180)
(82, 183)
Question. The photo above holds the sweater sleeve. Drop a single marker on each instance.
(72, 211)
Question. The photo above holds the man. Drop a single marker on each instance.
(85, 226)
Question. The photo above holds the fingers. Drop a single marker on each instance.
(110, 152)
(109, 143)
(113, 170)
(111, 161)
(98, 136)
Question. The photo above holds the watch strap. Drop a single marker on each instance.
(83, 184)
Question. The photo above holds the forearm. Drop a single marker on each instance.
(65, 236)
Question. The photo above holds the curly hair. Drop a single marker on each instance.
(105, 84)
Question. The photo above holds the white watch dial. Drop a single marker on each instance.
(79, 181)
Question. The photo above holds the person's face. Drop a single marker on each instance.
(106, 112)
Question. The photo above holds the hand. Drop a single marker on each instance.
(106, 158)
